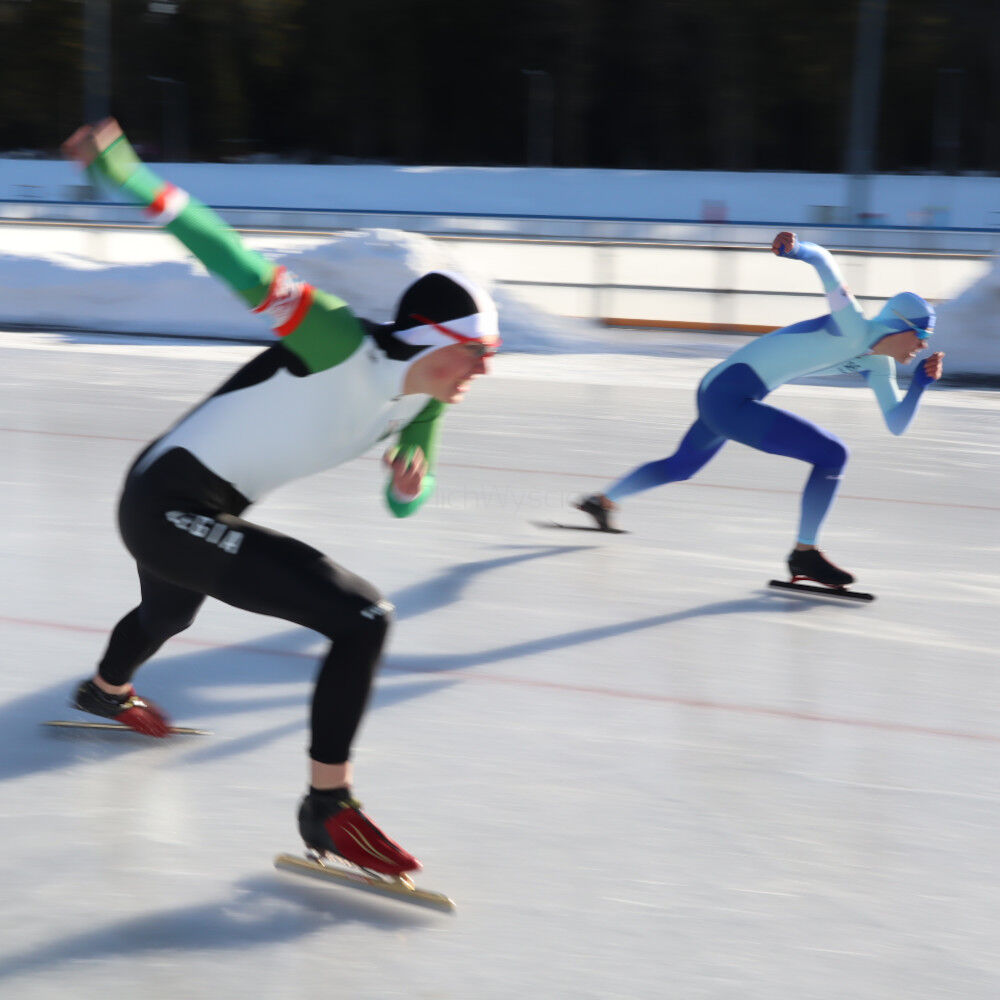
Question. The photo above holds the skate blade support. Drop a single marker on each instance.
(810, 589)
(119, 727)
(357, 879)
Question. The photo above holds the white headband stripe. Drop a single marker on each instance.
(425, 336)
(476, 326)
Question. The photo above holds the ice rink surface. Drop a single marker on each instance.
(639, 772)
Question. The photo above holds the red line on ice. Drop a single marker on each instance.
(476, 675)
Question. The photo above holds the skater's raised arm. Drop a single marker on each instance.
(318, 326)
(842, 303)
(112, 162)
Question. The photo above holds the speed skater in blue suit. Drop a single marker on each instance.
(731, 403)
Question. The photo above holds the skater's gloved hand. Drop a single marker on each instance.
(408, 467)
(930, 369)
(89, 141)
(785, 245)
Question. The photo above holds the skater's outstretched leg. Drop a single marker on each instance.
(697, 448)
(165, 610)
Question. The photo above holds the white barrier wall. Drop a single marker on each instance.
(656, 282)
(781, 198)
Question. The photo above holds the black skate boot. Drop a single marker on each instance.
(128, 709)
(331, 822)
(811, 564)
(599, 507)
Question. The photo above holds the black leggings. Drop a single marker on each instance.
(181, 523)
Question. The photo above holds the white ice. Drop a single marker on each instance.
(639, 772)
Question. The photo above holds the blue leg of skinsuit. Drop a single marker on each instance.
(731, 408)
(699, 445)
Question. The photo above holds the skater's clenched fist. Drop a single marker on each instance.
(933, 366)
(784, 244)
(409, 466)
(89, 141)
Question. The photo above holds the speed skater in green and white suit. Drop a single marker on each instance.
(332, 386)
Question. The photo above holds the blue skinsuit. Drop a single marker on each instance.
(730, 396)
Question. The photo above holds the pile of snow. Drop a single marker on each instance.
(368, 268)
(968, 327)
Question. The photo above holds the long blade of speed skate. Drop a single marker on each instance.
(837, 593)
(356, 879)
(579, 527)
(119, 727)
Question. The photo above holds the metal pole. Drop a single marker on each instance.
(860, 159)
(96, 60)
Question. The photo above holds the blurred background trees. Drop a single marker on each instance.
(664, 84)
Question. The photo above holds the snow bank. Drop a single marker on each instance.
(368, 268)
(968, 328)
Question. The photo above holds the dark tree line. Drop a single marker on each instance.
(666, 84)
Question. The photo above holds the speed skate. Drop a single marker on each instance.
(121, 728)
(329, 868)
(812, 589)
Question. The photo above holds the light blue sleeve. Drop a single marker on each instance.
(844, 307)
(898, 410)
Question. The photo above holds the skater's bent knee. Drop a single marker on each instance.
(372, 620)
(380, 612)
(367, 619)
(832, 456)
(839, 454)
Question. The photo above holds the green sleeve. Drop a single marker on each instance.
(421, 432)
(214, 243)
(329, 334)
(326, 335)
